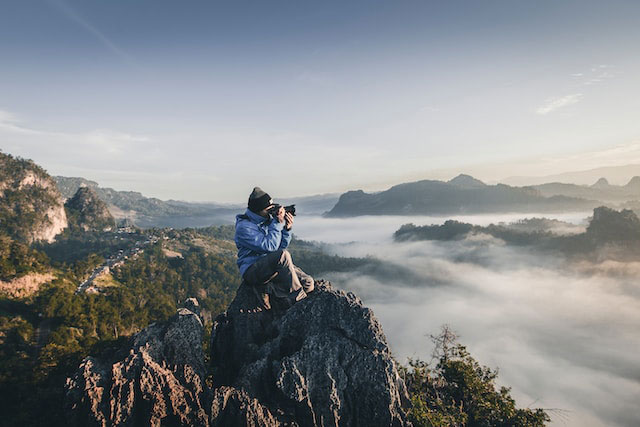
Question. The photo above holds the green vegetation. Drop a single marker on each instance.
(18, 259)
(43, 338)
(458, 391)
(86, 212)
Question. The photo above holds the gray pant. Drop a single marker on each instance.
(280, 277)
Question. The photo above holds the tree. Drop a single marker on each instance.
(458, 391)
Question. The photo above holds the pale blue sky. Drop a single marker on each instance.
(202, 100)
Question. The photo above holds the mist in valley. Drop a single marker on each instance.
(562, 333)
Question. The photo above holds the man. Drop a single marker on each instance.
(263, 259)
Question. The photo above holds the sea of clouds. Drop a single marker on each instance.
(564, 336)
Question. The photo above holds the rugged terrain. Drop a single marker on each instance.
(324, 361)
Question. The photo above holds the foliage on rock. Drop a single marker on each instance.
(458, 391)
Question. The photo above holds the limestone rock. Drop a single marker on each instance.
(87, 212)
(31, 206)
(159, 382)
(232, 407)
(324, 361)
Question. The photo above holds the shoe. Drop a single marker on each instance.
(262, 297)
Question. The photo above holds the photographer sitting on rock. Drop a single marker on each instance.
(263, 260)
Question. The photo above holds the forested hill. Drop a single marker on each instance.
(616, 231)
(462, 194)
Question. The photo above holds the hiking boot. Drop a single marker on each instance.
(262, 297)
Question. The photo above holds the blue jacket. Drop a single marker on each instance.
(257, 236)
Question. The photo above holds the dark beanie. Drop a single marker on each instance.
(259, 200)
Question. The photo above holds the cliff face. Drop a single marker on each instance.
(31, 207)
(87, 212)
(324, 361)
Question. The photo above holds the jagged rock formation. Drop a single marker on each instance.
(324, 361)
(31, 207)
(159, 382)
(87, 212)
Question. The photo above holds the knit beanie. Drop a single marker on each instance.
(258, 200)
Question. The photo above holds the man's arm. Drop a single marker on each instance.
(286, 239)
(249, 235)
(286, 233)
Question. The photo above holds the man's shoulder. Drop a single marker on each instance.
(244, 221)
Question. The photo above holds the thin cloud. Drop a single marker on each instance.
(110, 144)
(553, 104)
(74, 16)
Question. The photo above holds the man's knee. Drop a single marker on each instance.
(284, 257)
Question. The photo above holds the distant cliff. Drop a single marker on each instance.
(123, 204)
(86, 212)
(31, 207)
(324, 361)
(462, 194)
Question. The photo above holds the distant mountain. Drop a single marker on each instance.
(602, 183)
(149, 212)
(463, 194)
(86, 212)
(467, 181)
(31, 207)
(601, 190)
(614, 174)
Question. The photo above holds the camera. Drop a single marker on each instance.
(274, 210)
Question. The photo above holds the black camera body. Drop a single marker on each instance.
(274, 210)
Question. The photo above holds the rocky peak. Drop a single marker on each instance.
(159, 380)
(324, 361)
(31, 206)
(634, 183)
(601, 183)
(87, 212)
(467, 181)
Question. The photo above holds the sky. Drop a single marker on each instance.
(203, 100)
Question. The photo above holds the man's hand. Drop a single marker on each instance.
(280, 215)
(289, 221)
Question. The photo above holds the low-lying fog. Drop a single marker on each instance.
(565, 337)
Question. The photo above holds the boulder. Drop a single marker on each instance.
(324, 361)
